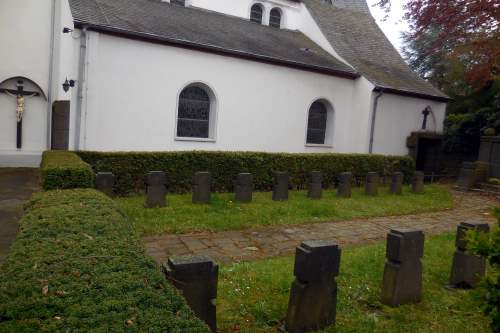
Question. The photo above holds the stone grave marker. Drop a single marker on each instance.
(467, 176)
(417, 183)
(104, 182)
(196, 277)
(397, 183)
(280, 186)
(156, 190)
(345, 185)
(201, 187)
(243, 187)
(372, 183)
(402, 282)
(315, 190)
(467, 269)
(313, 297)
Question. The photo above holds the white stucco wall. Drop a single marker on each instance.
(25, 30)
(398, 116)
(132, 90)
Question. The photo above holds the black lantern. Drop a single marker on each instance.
(68, 84)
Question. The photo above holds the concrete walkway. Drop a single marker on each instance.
(16, 187)
(254, 244)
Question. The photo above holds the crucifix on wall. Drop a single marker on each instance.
(427, 111)
(20, 94)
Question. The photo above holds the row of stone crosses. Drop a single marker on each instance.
(313, 296)
(156, 186)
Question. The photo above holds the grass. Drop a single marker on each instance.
(224, 214)
(253, 297)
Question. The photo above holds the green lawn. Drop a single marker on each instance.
(253, 297)
(224, 214)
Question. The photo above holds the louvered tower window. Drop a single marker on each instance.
(275, 18)
(256, 13)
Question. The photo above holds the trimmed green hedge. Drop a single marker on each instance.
(77, 266)
(130, 168)
(65, 170)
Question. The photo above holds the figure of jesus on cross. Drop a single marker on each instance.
(20, 96)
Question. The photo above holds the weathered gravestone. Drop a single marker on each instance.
(397, 183)
(417, 183)
(372, 182)
(313, 297)
(468, 269)
(196, 277)
(280, 186)
(345, 185)
(315, 190)
(403, 269)
(467, 176)
(104, 182)
(201, 187)
(243, 187)
(156, 190)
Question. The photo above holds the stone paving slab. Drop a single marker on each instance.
(255, 244)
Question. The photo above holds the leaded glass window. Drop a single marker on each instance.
(193, 120)
(316, 125)
(275, 18)
(256, 13)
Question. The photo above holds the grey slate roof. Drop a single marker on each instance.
(356, 37)
(206, 30)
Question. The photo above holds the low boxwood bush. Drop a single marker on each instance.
(65, 170)
(130, 168)
(77, 266)
(488, 245)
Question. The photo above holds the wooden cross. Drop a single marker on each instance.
(427, 111)
(20, 94)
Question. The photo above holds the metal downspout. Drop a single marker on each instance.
(374, 117)
(51, 69)
(81, 83)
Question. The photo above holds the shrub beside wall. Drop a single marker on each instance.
(77, 266)
(65, 170)
(130, 168)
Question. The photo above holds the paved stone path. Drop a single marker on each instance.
(254, 244)
(16, 186)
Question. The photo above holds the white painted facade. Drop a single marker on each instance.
(127, 91)
(396, 118)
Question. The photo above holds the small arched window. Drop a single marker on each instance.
(317, 123)
(256, 13)
(275, 18)
(194, 114)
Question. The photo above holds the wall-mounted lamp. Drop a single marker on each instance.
(68, 84)
(67, 30)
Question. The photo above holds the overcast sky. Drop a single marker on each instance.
(394, 24)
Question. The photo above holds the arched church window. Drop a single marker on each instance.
(256, 13)
(194, 117)
(275, 18)
(317, 123)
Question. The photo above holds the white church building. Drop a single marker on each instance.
(240, 75)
